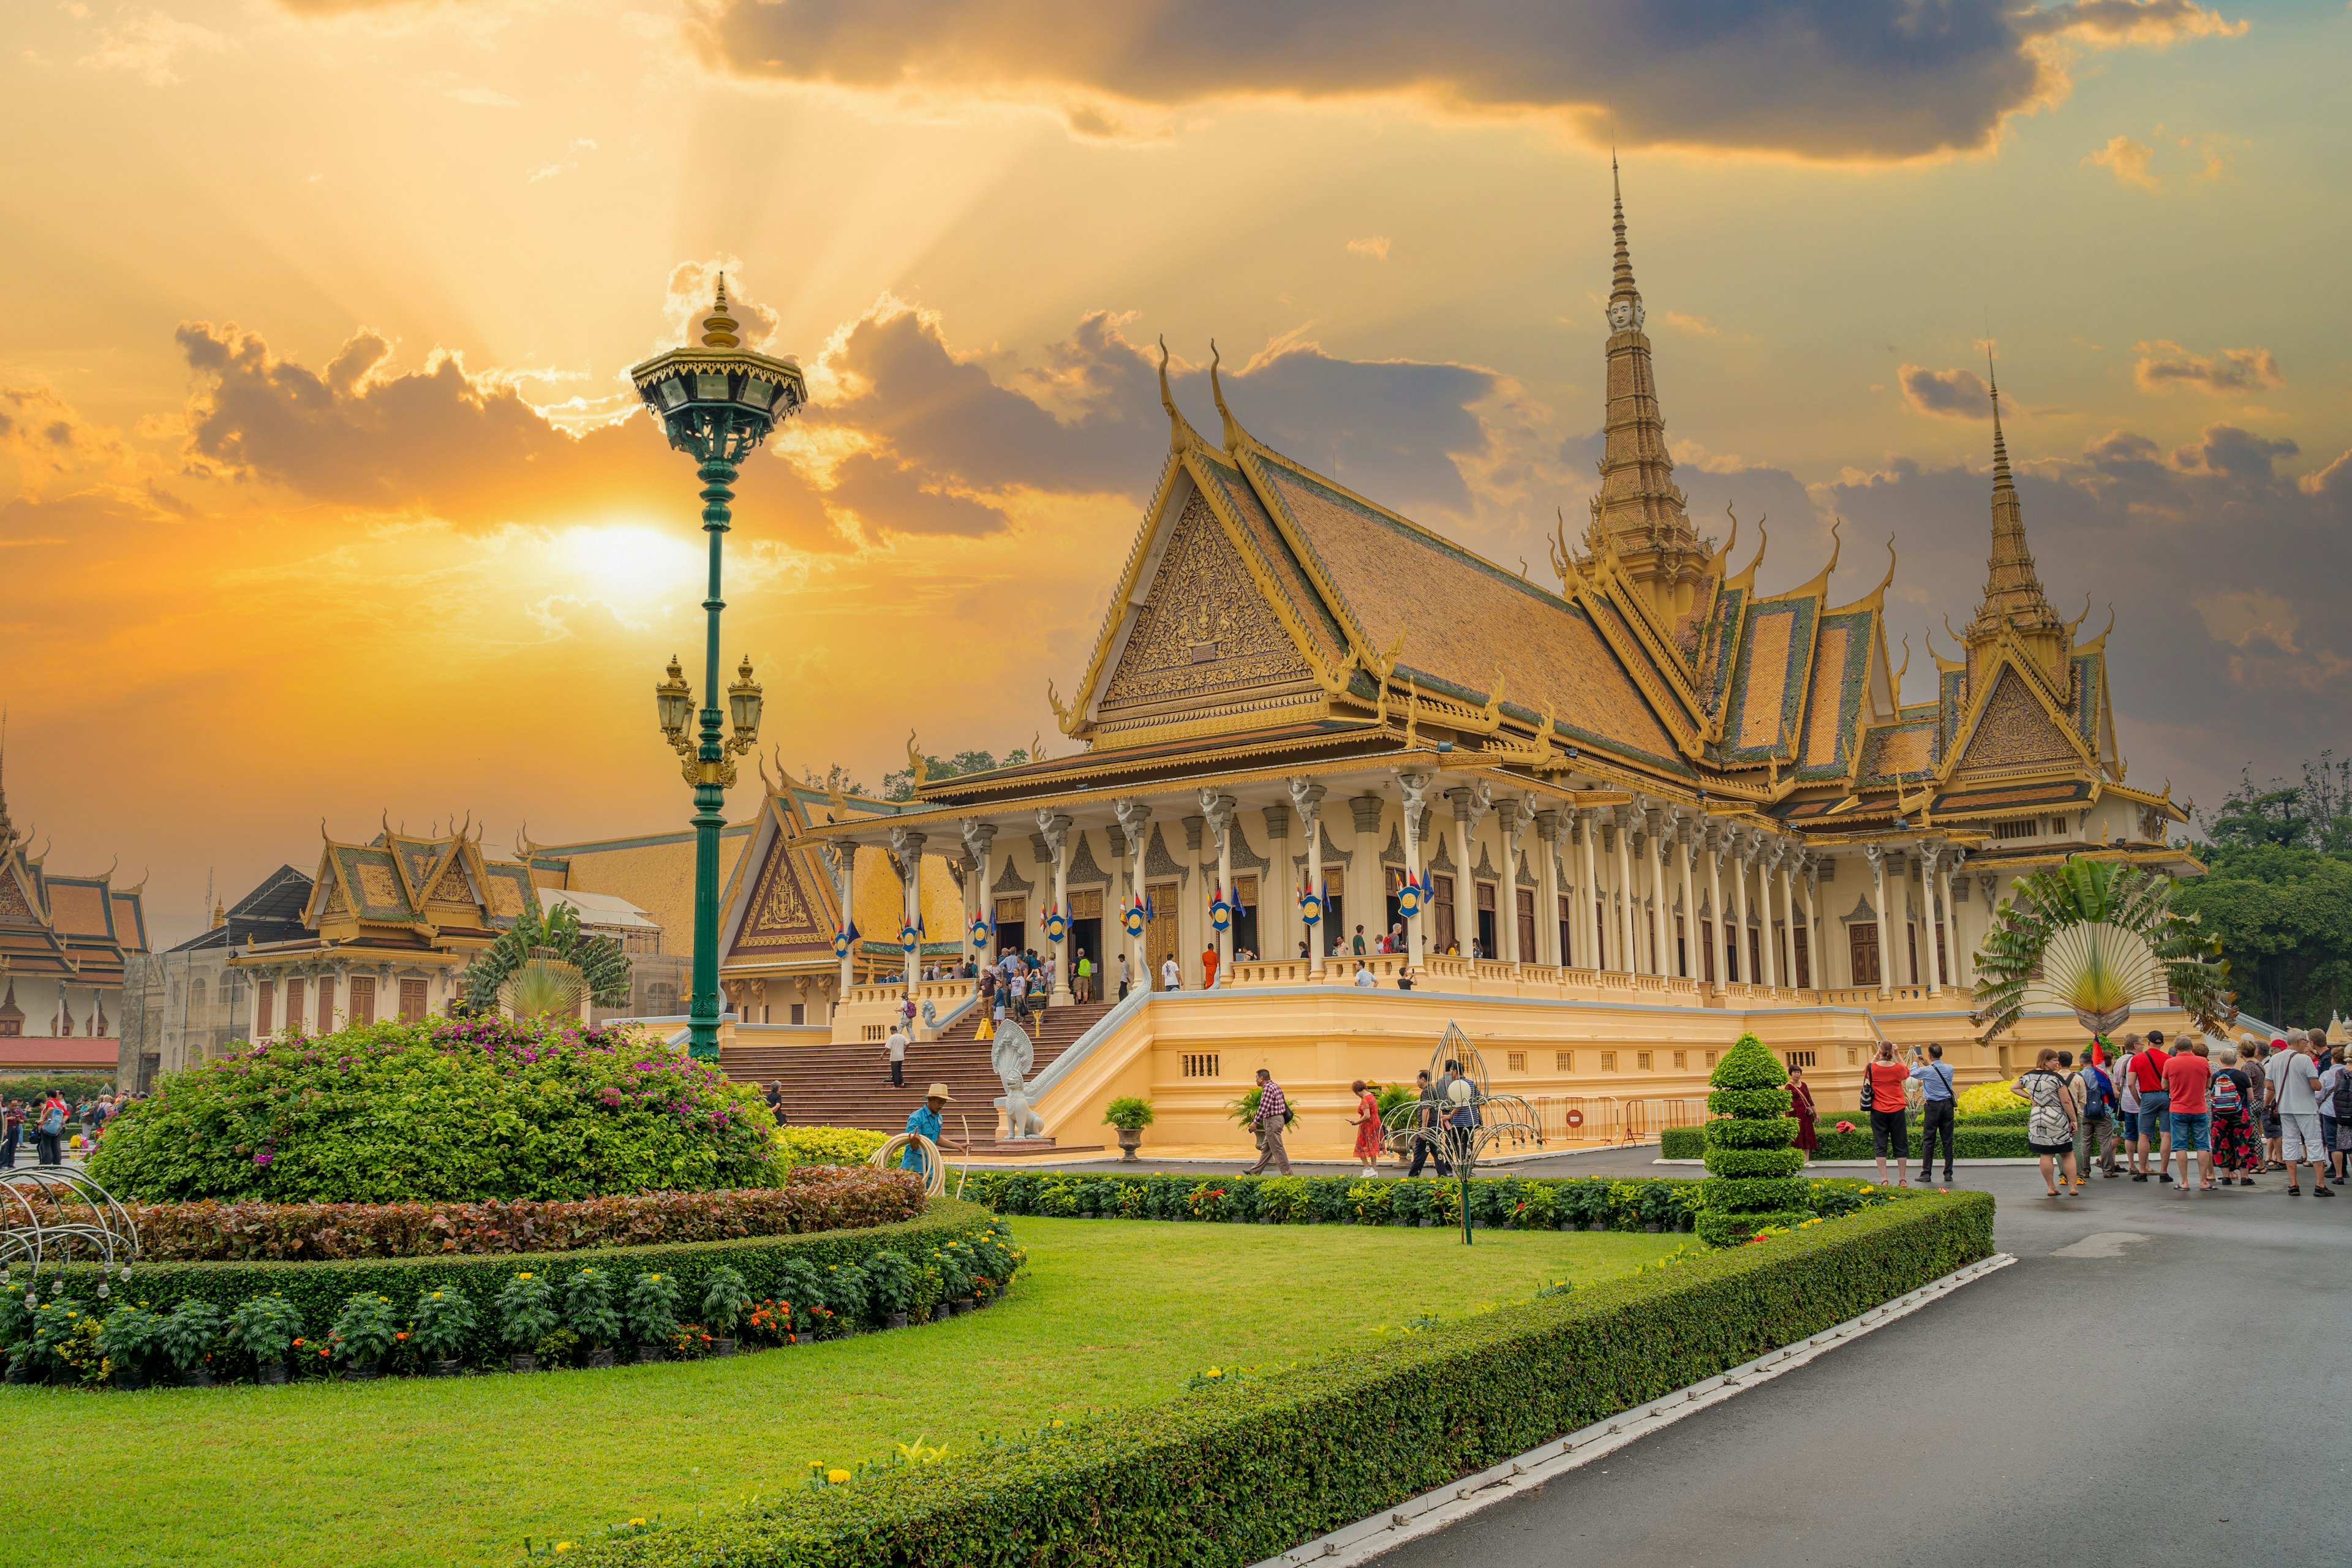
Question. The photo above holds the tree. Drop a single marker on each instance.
(526, 968)
(900, 785)
(2097, 936)
(1752, 1160)
(2278, 890)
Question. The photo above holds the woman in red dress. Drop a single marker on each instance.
(1800, 1106)
(1367, 1127)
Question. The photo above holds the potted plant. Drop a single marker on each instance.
(443, 1321)
(188, 1335)
(56, 1323)
(1130, 1114)
(127, 1338)
(798, 1291)
(588, 1311)
(724, 1296)
(651, 1312)
(892, 1280)
(526, 1309)
(266, 1328)
(848, 1295)
(366, 1331)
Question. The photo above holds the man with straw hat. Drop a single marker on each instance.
(924, 1119)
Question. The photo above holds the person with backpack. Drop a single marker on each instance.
(1939, 1101)
(2154, 1131)
(2099, 1113)
(2187, 1078)
(50, 1132)
(12, 1131)
(2335, 1100)
(2049, 1125)
(2237, 1152)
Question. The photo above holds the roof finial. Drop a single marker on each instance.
(1621, 286)
(2001, 477)
(1217, 390)
(1177, 429)
(718, 327)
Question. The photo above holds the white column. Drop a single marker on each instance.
(1415, 790)
(979, 841)
(1135, 821)
(1218, 808)
(1765, 864)
(1515, 820)
(909, 847)
(1587, 896)
(1717, 918)
(1548, 915)
(1789, 854)
(1056, 832)
(1622, 907)
(1307, 799)
(1877, 853)
(1742, 859)
(1931, 857)
(1686, 853)
(1813, 947)
(1963, 971)
(841, 853)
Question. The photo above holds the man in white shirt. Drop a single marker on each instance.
(2127, 1086)
(2292, 1087)
(897, 1046)
(1170, 978)
(1122, 977)
(1364, 980)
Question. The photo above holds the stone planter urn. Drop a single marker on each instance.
(522, 1361)
(269, 1374)
(1130, 1138)
(601, 1356)
(438, 1368)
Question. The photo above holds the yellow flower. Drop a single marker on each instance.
(838, 1478)
(636, 1522)
(563, 1546)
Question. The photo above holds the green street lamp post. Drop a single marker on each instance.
(716, 403)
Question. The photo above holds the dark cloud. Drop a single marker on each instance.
(1951, 393)
(2227, 643)
(1825, 78)
(1086, 417)
(2164, 365)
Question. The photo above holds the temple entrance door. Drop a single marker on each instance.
(1087, 932)
(1804, 961)
(1490, 936)
(1526, 915)
(1443, 928)
(1012, 927)
(1391, 917)
(1911, 946)
(1755, 955)
(1566, 948)
(1707, 951)
(1333, 933)
(1245, 916)
(1160, 934)
(1862, 940)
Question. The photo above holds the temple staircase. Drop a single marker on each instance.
(828, 1084)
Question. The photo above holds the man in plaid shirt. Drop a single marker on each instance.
(1272, 1110)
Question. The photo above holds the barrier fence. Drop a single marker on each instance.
(1605, 1118)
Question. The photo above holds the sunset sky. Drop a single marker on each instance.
(320, 494)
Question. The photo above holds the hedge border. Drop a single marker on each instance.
(1241, 1473)
(317, 1289)
(1995, 1142)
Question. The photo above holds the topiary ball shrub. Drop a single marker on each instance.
(445, 1110)
(1752, 1160)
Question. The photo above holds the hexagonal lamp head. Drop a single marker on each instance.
(719, 400)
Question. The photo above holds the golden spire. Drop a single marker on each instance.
(718, 327)
(1622, 279)
(2012, 591)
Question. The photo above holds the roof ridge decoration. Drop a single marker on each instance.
(2013, 593)
(2017, 659)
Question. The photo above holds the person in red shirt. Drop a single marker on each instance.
(1887, 1122)
(2187, 1074)
(2155, 1123)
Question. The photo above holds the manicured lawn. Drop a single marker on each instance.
(1111, 1313)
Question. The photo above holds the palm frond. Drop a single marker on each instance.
(2098, 937)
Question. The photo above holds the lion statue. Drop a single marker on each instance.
(1012, 1054)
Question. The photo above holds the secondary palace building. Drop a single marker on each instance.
(1650, 808)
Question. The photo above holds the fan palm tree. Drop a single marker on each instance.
(538, 956)
(2097, 937)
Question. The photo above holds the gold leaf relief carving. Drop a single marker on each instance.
(1203, 626)
(379, 887)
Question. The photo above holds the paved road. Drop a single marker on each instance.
(2157, 1381)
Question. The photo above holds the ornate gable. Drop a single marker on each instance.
(788, 911)
(2014, 732)
(1203, 634)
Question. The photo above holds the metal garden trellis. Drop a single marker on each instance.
(1470, 1118)
(49, 1213)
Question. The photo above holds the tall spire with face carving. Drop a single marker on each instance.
(1639, 513)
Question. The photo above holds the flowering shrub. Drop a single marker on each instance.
(1980, 1098)
(814, 1198)
(446, 1110)
(367, 1329)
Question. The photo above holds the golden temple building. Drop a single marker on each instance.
(1650, 808)
(64, 942)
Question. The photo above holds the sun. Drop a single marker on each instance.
(630, 566)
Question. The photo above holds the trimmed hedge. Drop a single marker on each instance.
(1241, 1472)
(830, 1145)
(815, 1198)
(1972, 1138)
(1750, 1162)
(318, 1291)
(1516, 1202)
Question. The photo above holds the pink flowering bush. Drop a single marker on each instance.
(442, 1112)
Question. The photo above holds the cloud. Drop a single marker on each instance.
(1817, 78)
(47, 437)
(150, 47)
(2127, 160)
(2241, 617)
(1698, 325)
(2163, 365)
(1948, 393)
(1374, 246)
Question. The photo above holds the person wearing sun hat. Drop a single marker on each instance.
(924, 1119)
